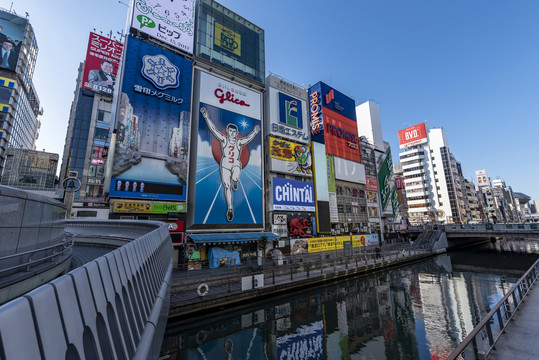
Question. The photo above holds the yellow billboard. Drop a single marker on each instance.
(227, 39)
(321, 244)
(132, 207)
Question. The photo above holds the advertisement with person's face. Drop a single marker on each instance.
(228, 176)
(101, 65)
(12, 30)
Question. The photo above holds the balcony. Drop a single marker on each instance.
(414, 172)
(423, 193)
(410, 165)
(417, 202)
(412, 158)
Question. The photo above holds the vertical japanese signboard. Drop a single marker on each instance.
(152, 144)
(384, 175)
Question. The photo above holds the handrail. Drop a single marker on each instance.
(63, 244)
(502, 308)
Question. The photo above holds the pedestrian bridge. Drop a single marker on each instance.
(115, 307)
(459, 236)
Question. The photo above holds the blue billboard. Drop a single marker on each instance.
(153, 125)
(293, 195)
(324, 96)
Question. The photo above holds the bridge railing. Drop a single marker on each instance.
(481, 341)
(115, 307)
(492, 227)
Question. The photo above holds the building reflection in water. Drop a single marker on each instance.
(419, 311)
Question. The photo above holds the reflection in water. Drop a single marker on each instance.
(419, 311)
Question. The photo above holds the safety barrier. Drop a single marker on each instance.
(115, 307)
(33, 245)
(481, 341)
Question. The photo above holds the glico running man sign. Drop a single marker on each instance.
(229, 156)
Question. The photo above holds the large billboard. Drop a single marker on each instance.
(152, 143)
(172, 22)
(290, 158)
(332, 119)
(101, 64)
(293, 195)
(228, 174)
(228, 40)
(482, 177)
(413, 135)
(12, 30)
(350, 171)
(286, 113)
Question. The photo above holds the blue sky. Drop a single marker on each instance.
(470, 67)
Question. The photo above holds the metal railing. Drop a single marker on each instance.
(66, 246)
(230, 280)
(483, 338)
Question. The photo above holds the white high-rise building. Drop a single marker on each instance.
(432, 177)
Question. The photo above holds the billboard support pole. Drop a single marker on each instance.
(108, 166)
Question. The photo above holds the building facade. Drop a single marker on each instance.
(432, 177)
(30, 169)
(19, 104)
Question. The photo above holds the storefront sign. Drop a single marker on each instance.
(132, 207)
(165, 208)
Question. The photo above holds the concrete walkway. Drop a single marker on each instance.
(520, 341)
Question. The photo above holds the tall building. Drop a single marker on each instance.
(89, 128)
(341, 187)
(19, 103)
(289, 165)
(381, 189)
(432, 177)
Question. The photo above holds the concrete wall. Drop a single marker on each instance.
(29, 221)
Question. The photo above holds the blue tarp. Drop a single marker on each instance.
(216, 254)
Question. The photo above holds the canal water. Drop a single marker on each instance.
(422, 310)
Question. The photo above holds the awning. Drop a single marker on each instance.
(230, 237)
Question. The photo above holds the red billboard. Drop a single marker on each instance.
(372, 183)
(101, 65)
(412, 135)
(340, 136)
(399, 182)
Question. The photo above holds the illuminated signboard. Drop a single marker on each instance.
(290, 158)
(172, 22)
(101, 65)
(413, 135)
(152, 144)
(228, 173)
